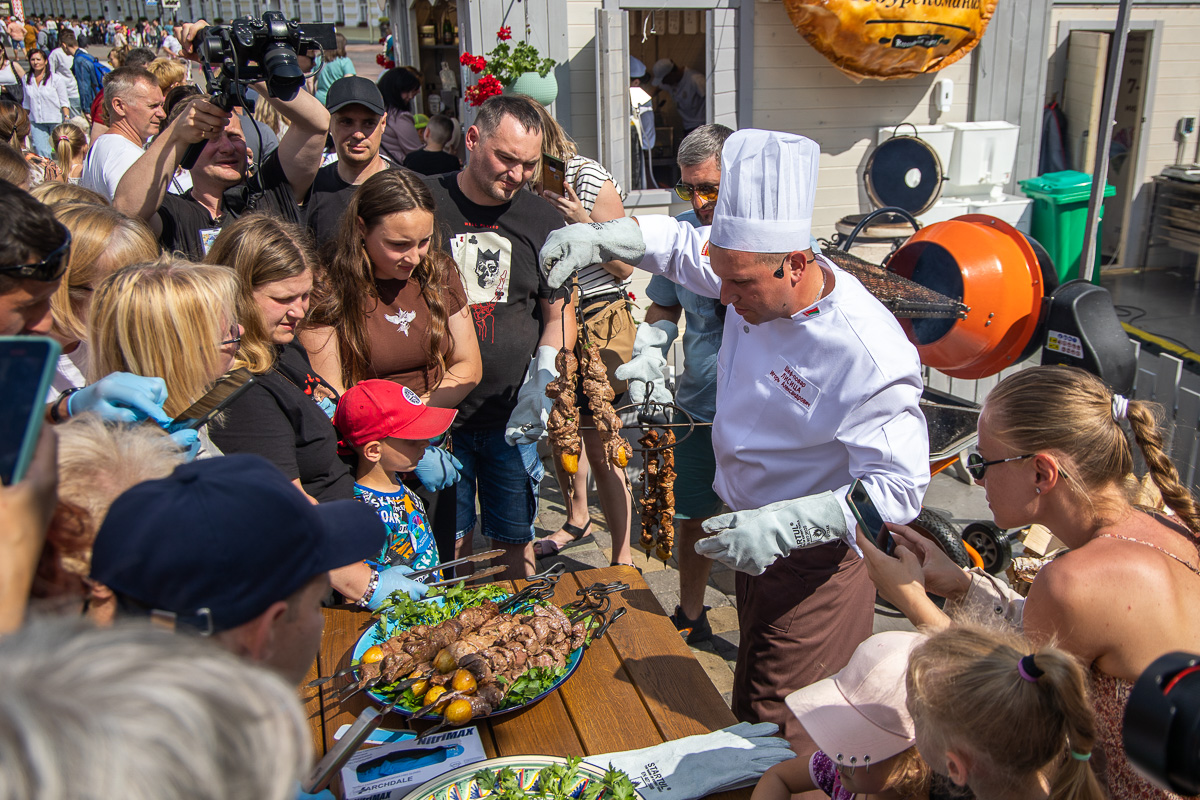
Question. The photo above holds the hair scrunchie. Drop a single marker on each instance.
(1120, 407)
(1029, 669)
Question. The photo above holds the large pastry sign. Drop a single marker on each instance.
(888, 39)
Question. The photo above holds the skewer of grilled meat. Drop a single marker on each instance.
(649, 514)
(563, 425)
(664, 493)
(600, 394)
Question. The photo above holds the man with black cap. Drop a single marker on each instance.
(357, 119)
(229, 548)
(817, 387)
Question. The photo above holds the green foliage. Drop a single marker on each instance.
(556, 782)
(509, 63)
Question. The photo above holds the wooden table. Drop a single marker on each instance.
(637, 686)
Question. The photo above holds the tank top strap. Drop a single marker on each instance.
(1162, 550)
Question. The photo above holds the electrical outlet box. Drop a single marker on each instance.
(1186, 126)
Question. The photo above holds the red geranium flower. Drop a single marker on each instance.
(504, 34)
(488, 86)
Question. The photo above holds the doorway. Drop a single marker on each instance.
(1082, 90)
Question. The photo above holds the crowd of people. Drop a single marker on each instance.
(402, 315)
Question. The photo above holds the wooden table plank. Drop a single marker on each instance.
(607, 710)
(679, 695)
(343, 626)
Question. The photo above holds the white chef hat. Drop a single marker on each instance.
(768, 187)
(661, 69)
(636, 68)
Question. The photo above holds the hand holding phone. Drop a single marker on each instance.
(869, 518)
(26, 369)
(554, 174)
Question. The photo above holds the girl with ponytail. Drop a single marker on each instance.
(391, 305)
(1004, 720)
(1054, 450)
(70, 147)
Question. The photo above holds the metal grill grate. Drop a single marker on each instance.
(902, 297)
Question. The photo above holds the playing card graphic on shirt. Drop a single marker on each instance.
(484, 262)
(401, 319)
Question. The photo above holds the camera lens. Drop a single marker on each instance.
(284, 76)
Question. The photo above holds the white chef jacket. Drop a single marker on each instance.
(810, 403)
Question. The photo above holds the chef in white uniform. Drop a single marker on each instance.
(817, 386)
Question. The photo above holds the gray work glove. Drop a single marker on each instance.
(586, 243)
(696, 766)
(650, 347)
(750, 541)
(527, 423)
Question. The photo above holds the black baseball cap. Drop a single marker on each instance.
(353, 89)
(218, 541)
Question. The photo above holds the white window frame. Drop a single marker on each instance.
(728, 65)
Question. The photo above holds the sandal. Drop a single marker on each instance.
(620, 564)
(547, 547)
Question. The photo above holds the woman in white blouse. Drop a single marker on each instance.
(46, 101)
(11, 74)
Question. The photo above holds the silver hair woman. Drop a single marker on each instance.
(138, 713)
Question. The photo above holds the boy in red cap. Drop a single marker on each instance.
(387, 427)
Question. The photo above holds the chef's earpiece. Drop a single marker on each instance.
(779, 272)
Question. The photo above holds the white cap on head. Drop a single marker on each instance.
(661, 69)
(768, 189)
(636, 68)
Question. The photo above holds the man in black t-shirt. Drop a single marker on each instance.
(357, 119)
(221, 188)
(496, 230)
(432, 159)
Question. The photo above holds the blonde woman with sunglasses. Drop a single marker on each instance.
(1053, 450)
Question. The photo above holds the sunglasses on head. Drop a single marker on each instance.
(706, 192)
(978, 467)
(50, 268)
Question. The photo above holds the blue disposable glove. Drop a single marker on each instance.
(395, 579)
(527, 423)
(122, 397)
(750, 541)
(437, 469)
(327, 405)
(188, 440)
(586, 243)
(322, 795)
(649, 357)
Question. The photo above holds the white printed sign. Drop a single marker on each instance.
(1064, 343)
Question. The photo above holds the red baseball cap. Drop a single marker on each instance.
(376, 409)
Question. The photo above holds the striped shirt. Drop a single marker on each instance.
(587, 177)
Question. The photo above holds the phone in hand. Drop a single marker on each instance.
(26, 369)
(554, 174)
(869, 519)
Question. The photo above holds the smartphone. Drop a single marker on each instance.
(554, 174)
(26, 369)
(229, 387)
(869, 518)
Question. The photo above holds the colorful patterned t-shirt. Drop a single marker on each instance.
(410, 541)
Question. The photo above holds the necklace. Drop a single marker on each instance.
(821, 292)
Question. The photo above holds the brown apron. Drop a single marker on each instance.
(800, 621)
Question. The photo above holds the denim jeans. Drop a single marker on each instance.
(39, 138)
(507, 479)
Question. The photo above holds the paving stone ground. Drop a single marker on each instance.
(961, 502)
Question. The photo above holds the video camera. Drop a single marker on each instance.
(1161, 731)
(252, 50)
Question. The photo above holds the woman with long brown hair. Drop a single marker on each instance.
(1053, 450)
(391, 305)
(46, 101)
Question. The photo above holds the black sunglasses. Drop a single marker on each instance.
(50, 268)
(978, 467)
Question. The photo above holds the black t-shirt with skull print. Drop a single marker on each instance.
(496, 249)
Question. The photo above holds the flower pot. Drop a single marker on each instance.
(544, 90)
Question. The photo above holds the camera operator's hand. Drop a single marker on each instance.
(201, 120)
(187, 36)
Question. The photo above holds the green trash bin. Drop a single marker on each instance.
(1060, 206)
